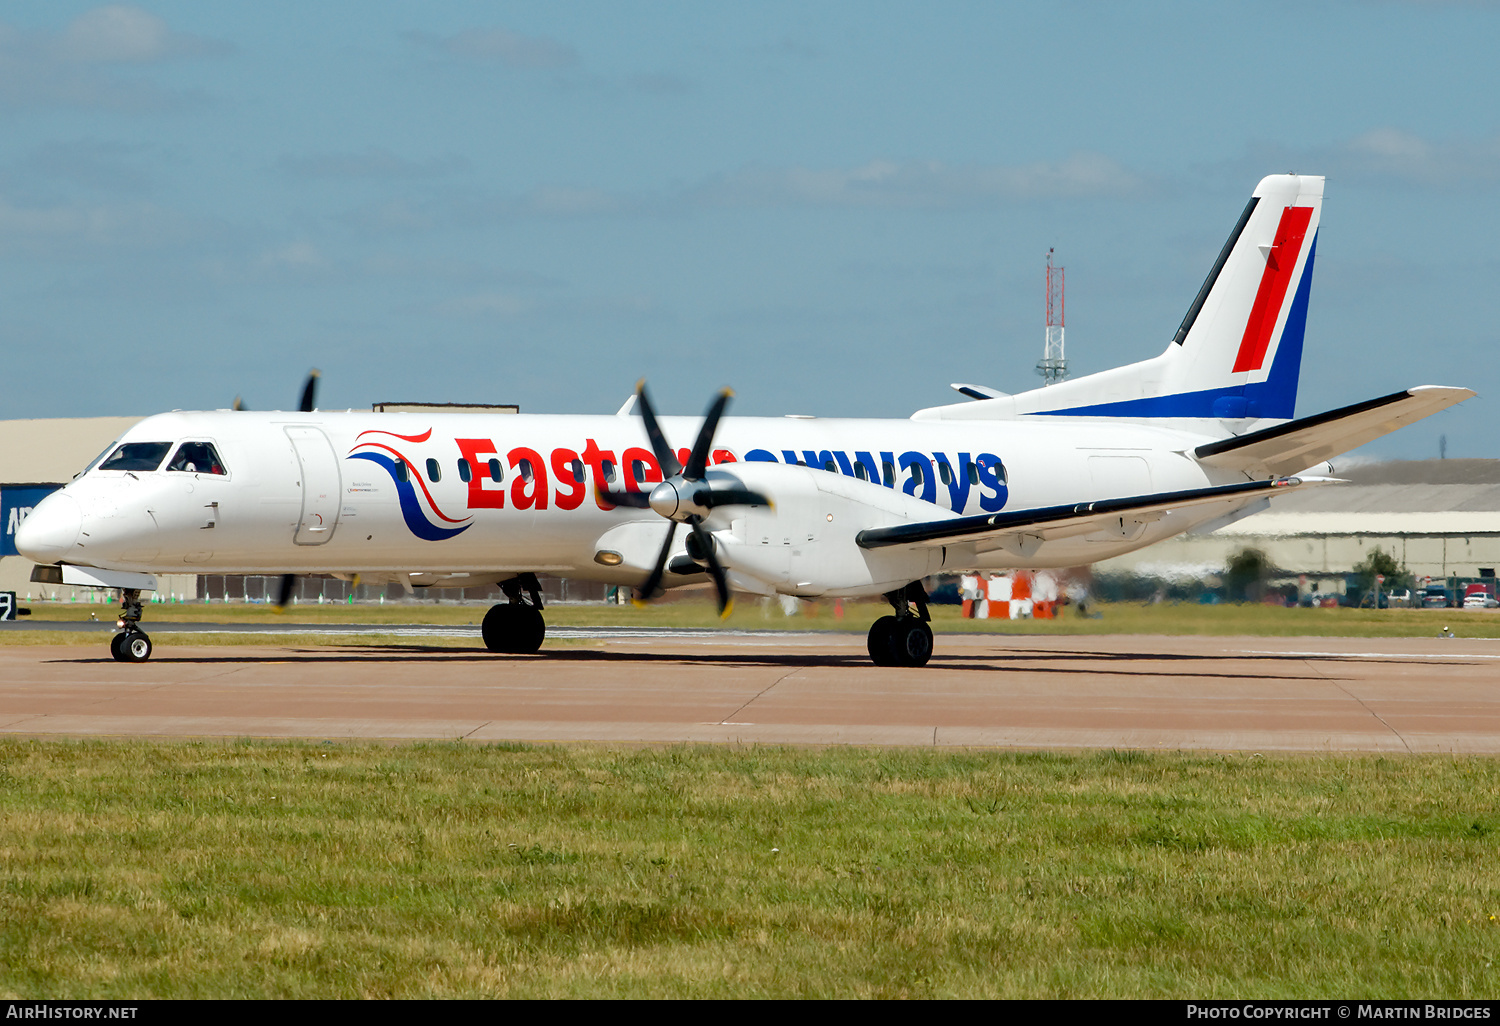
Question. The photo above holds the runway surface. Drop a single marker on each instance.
(664, 686)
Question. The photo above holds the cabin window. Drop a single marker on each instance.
(196, 458)
(525, 468)
(973, 473)
(577, 468)
(946, 473)
(860, 472)
(888, 469)
(609, 471)
(402, 473)
(638, 470)
(464, 474)
(999, 472)
(916, 474)
(496, 473)
(137, 456)
(434, 472)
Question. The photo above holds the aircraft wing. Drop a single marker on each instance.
(1308, 441)
(1119, 515)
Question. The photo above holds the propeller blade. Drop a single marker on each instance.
(309, 391)
(721, 583)
(239, 405)
(732, 496)
(664, 454)
(288, 582)
(635, 500)
(654, 581)
(698, 458)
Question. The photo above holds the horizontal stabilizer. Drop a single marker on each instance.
(978, 391)
(1299, 444)
(1059, 521)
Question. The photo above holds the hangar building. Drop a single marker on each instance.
(1441, 518)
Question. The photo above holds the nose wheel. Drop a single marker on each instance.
(130, 647)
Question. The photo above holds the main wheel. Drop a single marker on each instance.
(879, 641)
(517, 629)
(131, 647)
(911, 643)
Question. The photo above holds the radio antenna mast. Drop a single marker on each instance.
(1053, 366)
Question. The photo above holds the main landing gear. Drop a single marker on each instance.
(903, 639)
(131, 645)
(516, 626)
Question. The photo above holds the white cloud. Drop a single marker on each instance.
(83, 229)
(887, 183)
(497, 44)
(1392, 156)
(69, 68)
(121, 34)
(373, 163)
(301, 255)
(1393, 153)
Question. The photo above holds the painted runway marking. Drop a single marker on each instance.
(1374, 655)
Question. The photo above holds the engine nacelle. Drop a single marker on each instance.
(805, 546)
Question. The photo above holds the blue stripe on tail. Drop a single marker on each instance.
(1274, 398)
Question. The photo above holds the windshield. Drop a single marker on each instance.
(197, 458)
(137, 456)
(95, 461)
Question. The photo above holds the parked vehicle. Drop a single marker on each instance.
(1435, 596)
(1480, 596)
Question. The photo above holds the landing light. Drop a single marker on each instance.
(608, 557)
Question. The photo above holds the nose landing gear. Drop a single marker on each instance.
(903, 639)
(516, 627)
(131, 645)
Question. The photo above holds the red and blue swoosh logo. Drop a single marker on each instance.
(418, 508)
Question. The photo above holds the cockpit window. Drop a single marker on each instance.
(96, 460)
(137, 456)
(197, 458)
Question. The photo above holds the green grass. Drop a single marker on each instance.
(221, 870)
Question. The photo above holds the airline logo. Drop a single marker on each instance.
(525, 479)
(1281, 261)
(422, 515)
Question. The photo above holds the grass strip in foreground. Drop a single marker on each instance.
(218, 870)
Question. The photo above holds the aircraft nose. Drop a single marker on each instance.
(50, 530)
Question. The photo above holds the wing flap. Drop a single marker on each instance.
(1114, 515)
(1308, 441)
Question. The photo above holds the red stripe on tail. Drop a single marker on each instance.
(1280, 264)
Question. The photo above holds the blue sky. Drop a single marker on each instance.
(836, 208)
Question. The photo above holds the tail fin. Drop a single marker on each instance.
(1240, 345)
(1237, 354)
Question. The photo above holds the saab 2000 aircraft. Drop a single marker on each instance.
(1059, 476)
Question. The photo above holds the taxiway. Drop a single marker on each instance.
(665, 686)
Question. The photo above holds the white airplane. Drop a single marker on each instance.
(1059, 476)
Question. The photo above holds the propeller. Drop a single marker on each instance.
(305, 405)
(686, 495)
(309, 393)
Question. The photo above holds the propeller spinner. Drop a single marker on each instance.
(686, 495)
